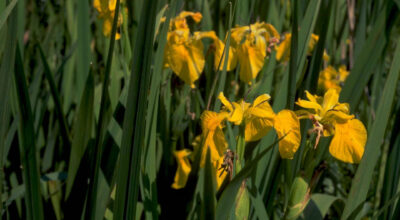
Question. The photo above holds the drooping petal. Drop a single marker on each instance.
(183, 170)
(333, 116)
(213, 136)
(283, 49)
(219, 174)
(216, 142)
(211, 120)
(287, 123)
(185, 56)
(219, 50)
(251, 60)
(349, 141)
(256, 128)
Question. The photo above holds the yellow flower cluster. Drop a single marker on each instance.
(330, 78)
(106, 9)
(184, 51)
(330, 117)
(258, 119)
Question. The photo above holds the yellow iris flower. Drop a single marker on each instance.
(283, 49)
(212, 138)
(258, 119)
(184, 51)
(106, 9)
(330, 78)
(332, 118)
(251, 44)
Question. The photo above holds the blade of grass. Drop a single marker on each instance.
(103, 120)
(57, 100)
(291, 86)
(134, 118)
(83, 56)
(26, 134)
(208, 202)
(7, 12)
(150, 194)
(6, 69)
(358, 191)
(82, 131)
(363, 65)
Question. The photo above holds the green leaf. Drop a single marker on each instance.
(319, 205)
(228, 197)
(82, 129)
(208, 202)
(57, 99)
(6, 69)
(134, 118)
(104, 119)
(299, 197)
(363, 177)
(26, 135)
(7, 12)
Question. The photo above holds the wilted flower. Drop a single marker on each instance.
(330, 117)
(330, 78)
(283, 49)
(106, 9)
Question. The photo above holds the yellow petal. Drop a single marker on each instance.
(312, 98)
(287, 123)
(225, 101)
(261, 108)
(331, 99)
(112, 4)
(283, 49)
(237, 114)
(183, 170)
(216, 142)
(308, 104)
(256, 128)
(349, 141)
(196, 16)
(261, 99)
(343, 73)
(219, 50)
(337, 116)
(251, 60)
(326, 57)
(311, 44)
(303, 114)
(219, 173)
(211, 120)
(185, 56)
